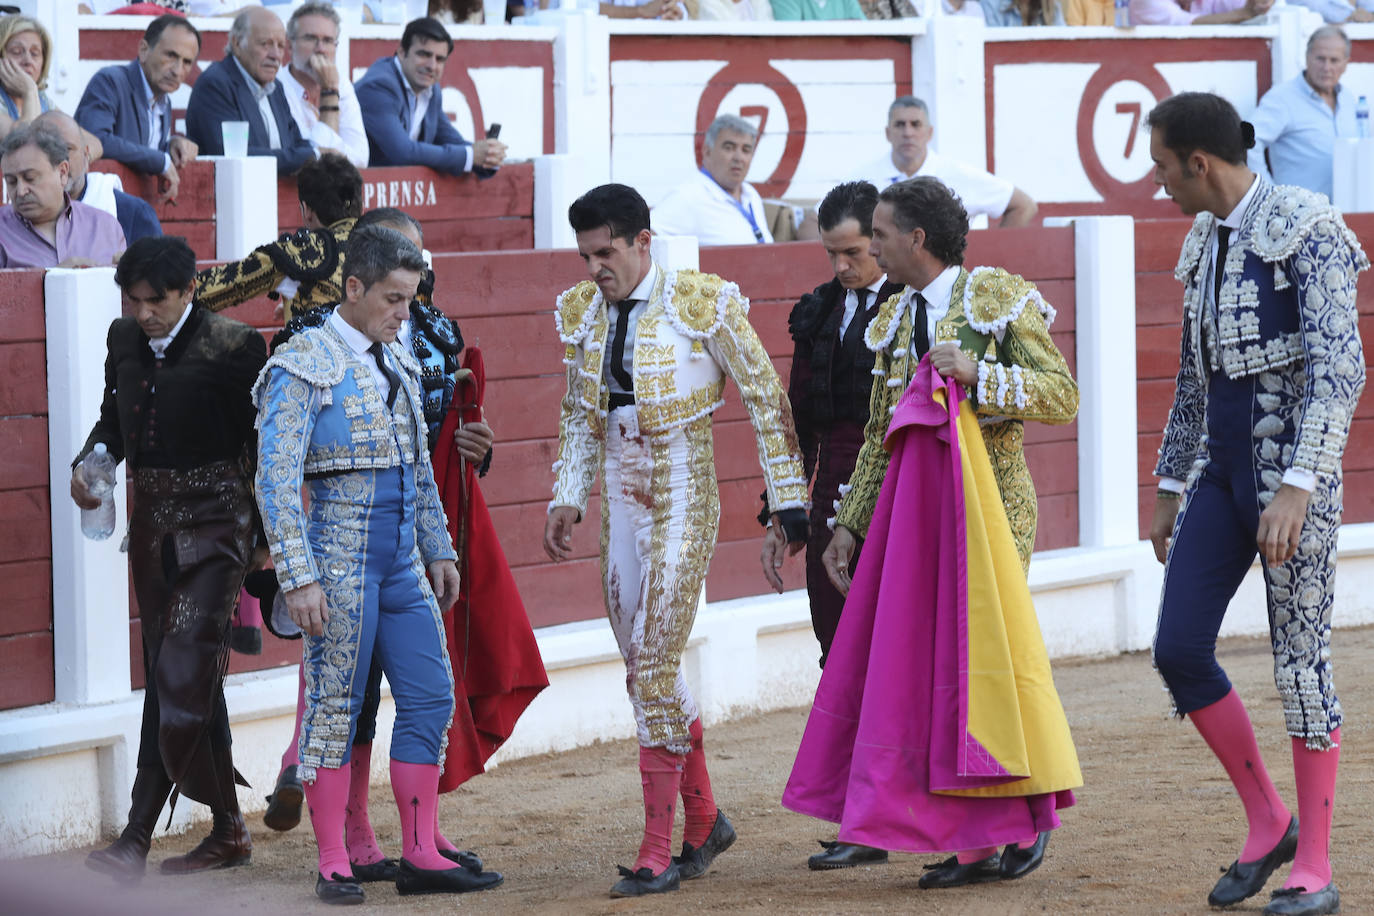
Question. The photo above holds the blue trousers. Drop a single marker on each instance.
(1251, 428)
(381, 607)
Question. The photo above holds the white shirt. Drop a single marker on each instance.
(639, 294)
(359, 343)
(100, 188)
(702, 208)
(159, 345)
(982, 193)
(851, 302)
(263, 95)
(156, 112)
(937, 294)
(350, 139)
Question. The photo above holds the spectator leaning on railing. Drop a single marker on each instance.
(128, 107)
(98, 189)
(43, 226)
(649, 9)
(322, 99)
(243, 87)
(1196, 12)
(403, 108)
(1014, 13)
(1338, 11)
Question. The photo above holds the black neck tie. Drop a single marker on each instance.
(622, 329)
(855, 320)
(1223, 244)
(392, 378)
(920, 332)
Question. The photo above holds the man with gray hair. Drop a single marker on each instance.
(322, 99)
(99, 189)
(717, 205)
(1297, 122)
(42, 226)
(909, 130)
(243, 87)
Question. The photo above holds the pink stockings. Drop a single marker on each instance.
(416, 787)
(660, 771)
(698, 804)
(327, 797)
(1315, 772)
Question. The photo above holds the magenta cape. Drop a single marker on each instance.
(937, 683)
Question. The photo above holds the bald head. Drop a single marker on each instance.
(78, 154)
(258, 39)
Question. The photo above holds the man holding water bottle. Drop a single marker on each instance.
(177, 408)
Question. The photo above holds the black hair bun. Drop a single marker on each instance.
(1247, 134)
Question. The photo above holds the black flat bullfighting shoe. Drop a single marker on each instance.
(465, 858)
(385, 870)
(1298, 902)
(339, 890)
(1246, 879)
(845, 855)
(284, 804)
(644, 881)
(695, 860)
(456, 880)
(950, 873)
(1018, 862)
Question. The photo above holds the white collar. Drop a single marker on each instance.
(938, 291)
(1233, 220)
(645, 289)
(159, 345)
(259, 91)
(876, 284)
(357, 341)
(405, 83)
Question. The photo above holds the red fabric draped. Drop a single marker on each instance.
(497, 670)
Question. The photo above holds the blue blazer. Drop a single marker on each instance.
(221, 94)
(386, 117)
(112, 108)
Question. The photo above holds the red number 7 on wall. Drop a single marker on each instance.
(1134, 110)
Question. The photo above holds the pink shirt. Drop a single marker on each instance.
(82, 231)
(1168, 12)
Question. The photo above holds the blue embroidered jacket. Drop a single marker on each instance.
(1287, 306)
(320, 414)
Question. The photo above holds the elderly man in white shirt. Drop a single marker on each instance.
(983, 194)
(717, 205)
(322, 100)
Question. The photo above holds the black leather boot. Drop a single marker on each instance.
(127, 857)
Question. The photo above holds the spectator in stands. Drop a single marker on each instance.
(243, 87)
(403, 108)
(1299, 121)
(735, 10)
(461, 12)
(1089, 12)
(909, 131)
(303, 269)
(25, 55)
(817, 9)
(648, 9)
(962, 8)
(717, 205)
(1015, 13)
(889, 9)
(42, 226)
(128, 107)
(1338, 11)
(1196, 12)
(322, 99)
(98, 189)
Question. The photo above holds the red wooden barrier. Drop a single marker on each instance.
(1159, 311)
(191, 215)
(26, 647)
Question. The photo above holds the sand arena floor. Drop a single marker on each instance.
(1155, 823)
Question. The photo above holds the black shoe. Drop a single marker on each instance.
(950, 873)
(284, 804)
(1018, 862)
(385, 870)
(1245, 879)
(1298, 902)
(245, 640)
(644, 881)
(694, 861)
(338, 890)
(456, 880)
(465, 858)
(845, 855)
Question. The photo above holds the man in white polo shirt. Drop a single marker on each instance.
(717, 205)
(909, 131)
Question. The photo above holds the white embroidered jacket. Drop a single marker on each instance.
(693, 332)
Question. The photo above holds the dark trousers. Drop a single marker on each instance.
(836, 457)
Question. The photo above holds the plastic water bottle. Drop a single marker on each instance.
(1362, 117)
(1123, 14)
(98, 467)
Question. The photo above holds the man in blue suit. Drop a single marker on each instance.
(403, 110)
(128, 107)
(243, 87)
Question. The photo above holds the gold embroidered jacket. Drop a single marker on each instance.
(693, 331)
(310, 258)
(1021, 377)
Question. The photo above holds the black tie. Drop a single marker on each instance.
(855, 320)
(622, 329)
(1223, 243)
(392, 378)
(920, 334)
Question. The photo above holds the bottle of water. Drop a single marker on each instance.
(98, 467)
(1362, 117)
(1123, 13)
